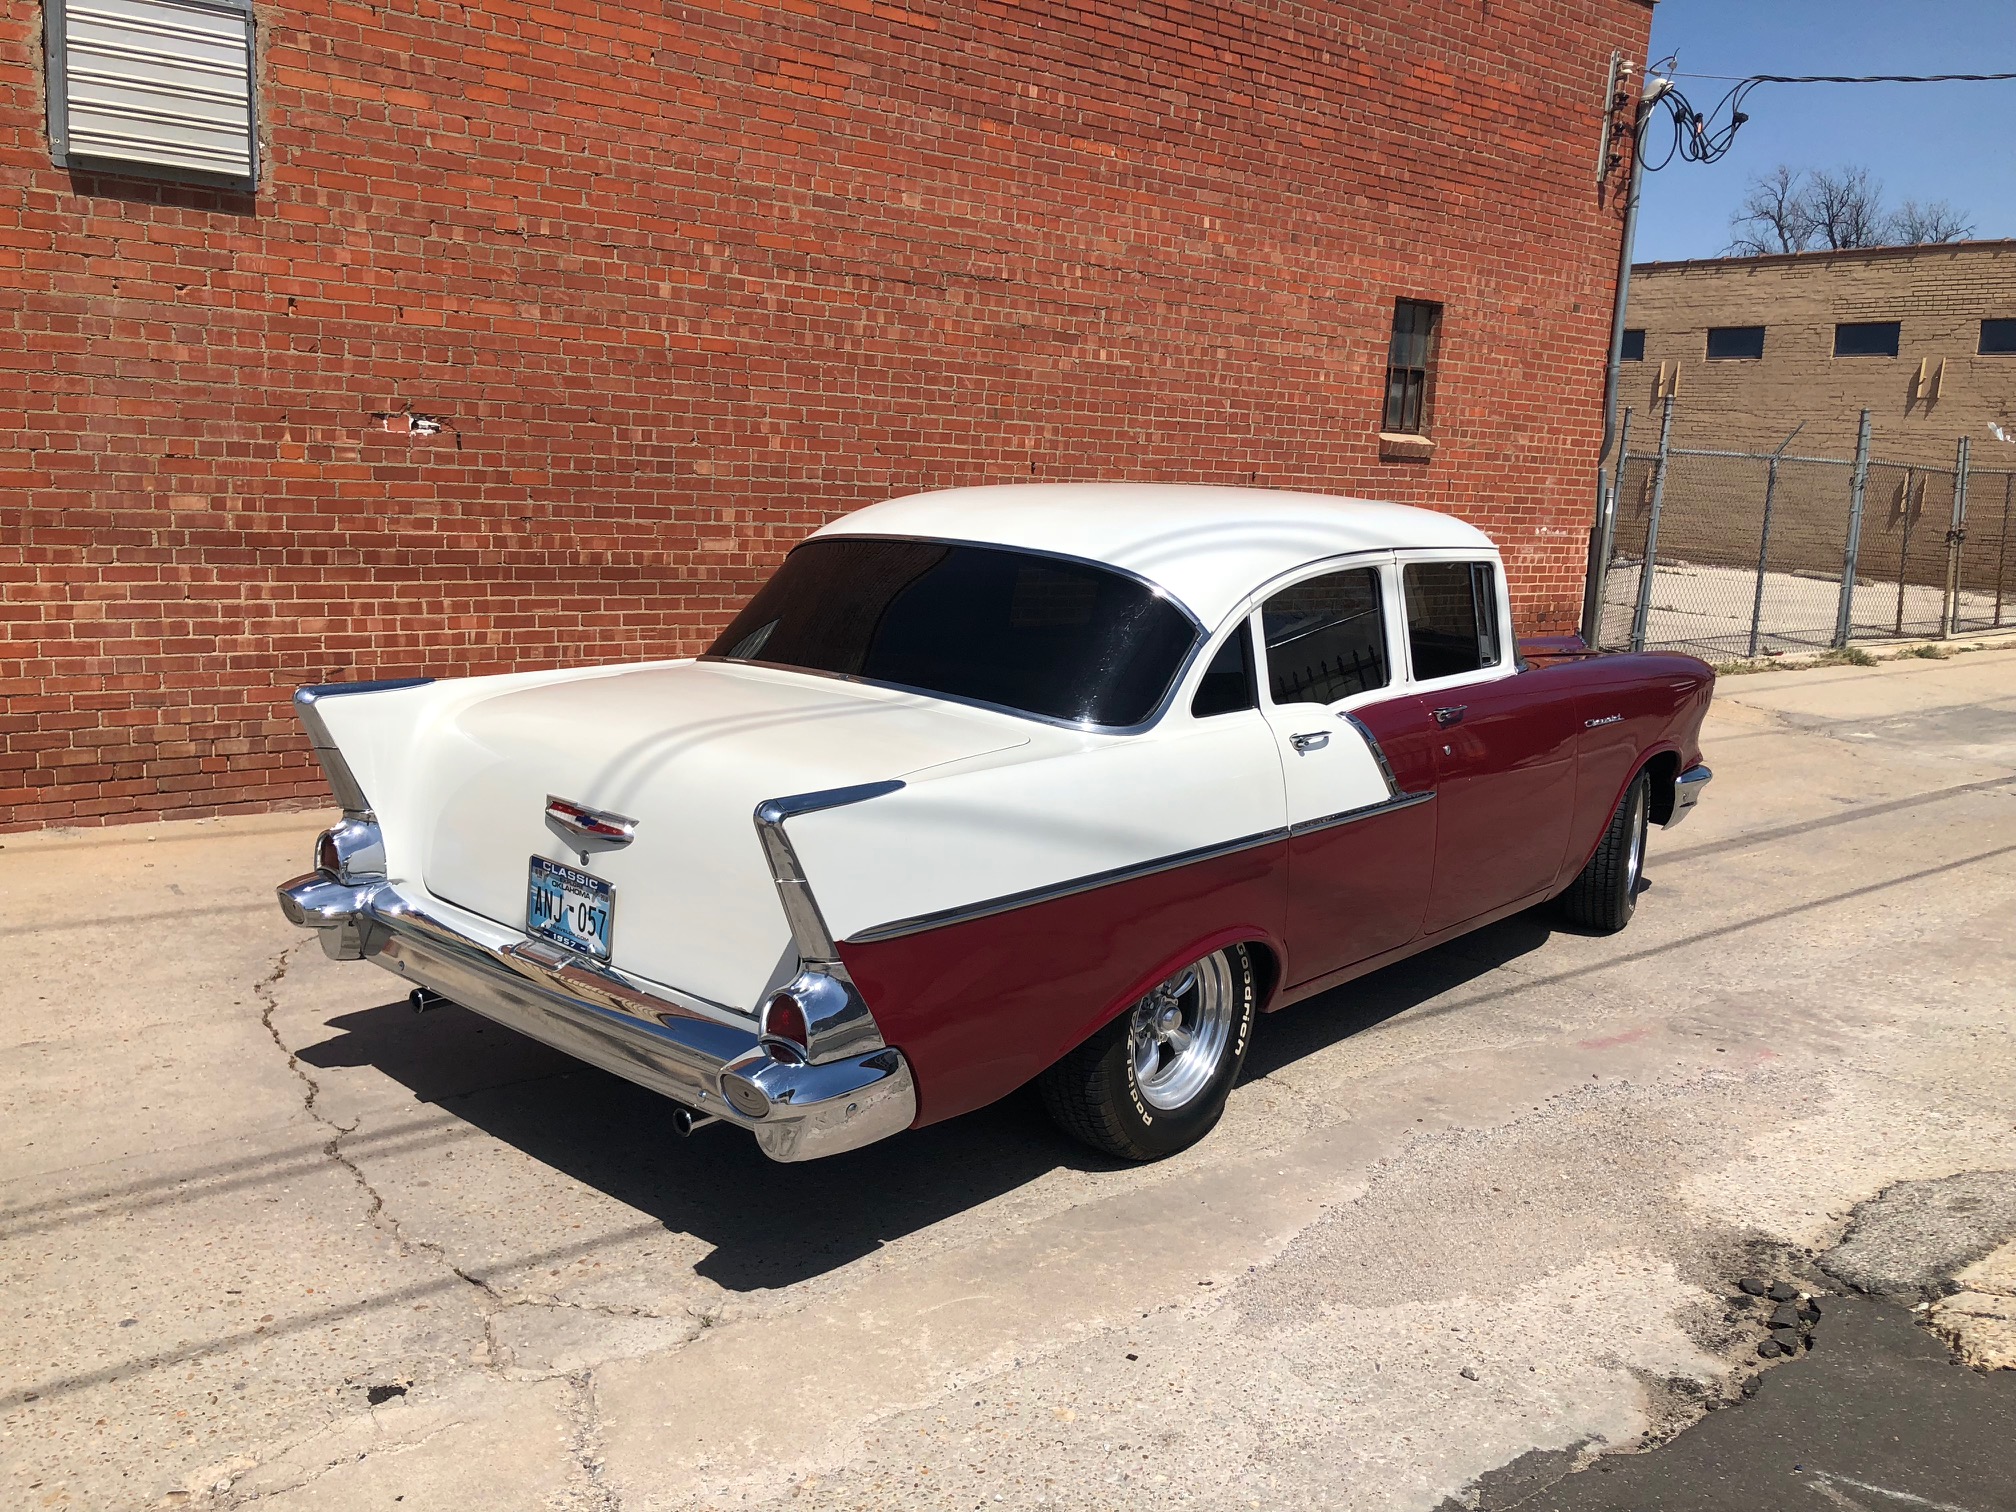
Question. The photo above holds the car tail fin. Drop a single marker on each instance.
(343, 783)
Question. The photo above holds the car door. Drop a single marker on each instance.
(1503, 741)
(1361, 835)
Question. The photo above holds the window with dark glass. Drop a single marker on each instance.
(1735, 343)
(1410, 365)
(1227, 684)
(1866, 338)
(1326, 638)
(1998, 338)
(1045, 636)
(1634, 346)
(1452, 617)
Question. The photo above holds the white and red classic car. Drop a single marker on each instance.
(1060, 783)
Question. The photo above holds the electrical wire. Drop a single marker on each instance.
(1702, 136)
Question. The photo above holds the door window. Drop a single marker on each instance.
(1227, 684)
(1452, 617)
(1326, 638)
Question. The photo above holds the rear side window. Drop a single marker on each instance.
(1326, 638)
(1059, 639)
(1452, 617)
(1227, 684)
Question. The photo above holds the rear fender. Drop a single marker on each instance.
(1267, 972)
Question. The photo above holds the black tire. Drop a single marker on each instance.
(1603, 897)
(1098, 1095)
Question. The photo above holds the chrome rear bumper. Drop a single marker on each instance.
(1687, 790)
(797, 1111)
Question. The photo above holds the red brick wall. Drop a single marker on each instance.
(684, 281)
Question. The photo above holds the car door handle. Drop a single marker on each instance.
(1450, 715)
(1314, 742)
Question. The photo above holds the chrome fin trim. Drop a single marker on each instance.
(349, 793)
(839, 1024)
(1378, 751)
(918, 923)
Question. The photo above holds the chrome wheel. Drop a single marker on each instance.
(1178, 1033)
(1634, 860)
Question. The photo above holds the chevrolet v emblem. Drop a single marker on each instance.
(588, 829)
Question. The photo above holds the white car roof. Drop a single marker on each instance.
(1207, 547)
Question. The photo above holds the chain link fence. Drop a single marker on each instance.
(1735, 554)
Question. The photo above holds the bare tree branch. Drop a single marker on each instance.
(1920, 225)
(1847, 208)
(1773, 217)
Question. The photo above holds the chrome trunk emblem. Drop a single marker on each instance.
(588, 829)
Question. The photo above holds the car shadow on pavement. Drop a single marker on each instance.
(772, 1225)
(1281, 1039)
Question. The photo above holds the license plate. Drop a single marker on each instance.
(569, 908)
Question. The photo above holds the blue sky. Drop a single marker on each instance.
(1955, 142)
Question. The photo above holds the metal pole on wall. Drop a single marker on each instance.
(1596, 588)
(1949, 610)
(1852, 549)
(1604, 544)
(1643, 612)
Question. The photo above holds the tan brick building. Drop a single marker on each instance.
(1924, 338)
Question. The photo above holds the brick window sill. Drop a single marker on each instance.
(1396, 446)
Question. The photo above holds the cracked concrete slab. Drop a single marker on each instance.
(1535, 1157)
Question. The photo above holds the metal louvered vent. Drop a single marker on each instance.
(164, 85)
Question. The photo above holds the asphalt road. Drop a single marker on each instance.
(270, 1238)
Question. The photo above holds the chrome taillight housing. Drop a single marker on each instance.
(786, 1028)
(354, 851)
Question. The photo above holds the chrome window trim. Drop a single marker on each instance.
(1008, 902)
(1199, 637)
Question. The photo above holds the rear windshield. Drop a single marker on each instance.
(1058, 639)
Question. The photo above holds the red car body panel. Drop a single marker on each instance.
(1525, 781)
(981, 1006)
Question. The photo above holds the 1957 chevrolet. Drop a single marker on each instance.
(1045, 782)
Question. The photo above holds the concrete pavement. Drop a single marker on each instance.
(270, 1238)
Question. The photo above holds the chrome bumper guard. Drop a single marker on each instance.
(1687, 790)
(796, 1110)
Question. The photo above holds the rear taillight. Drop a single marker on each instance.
(786, 1033)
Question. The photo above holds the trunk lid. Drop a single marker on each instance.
(688, 751)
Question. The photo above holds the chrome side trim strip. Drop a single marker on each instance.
(1352, 816)
(1008, 902)
(1378, 751)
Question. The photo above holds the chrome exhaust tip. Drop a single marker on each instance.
(685, 1121)
(425, 998)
